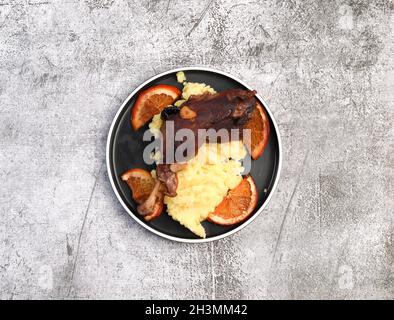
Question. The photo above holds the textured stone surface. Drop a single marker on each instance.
(325, 67)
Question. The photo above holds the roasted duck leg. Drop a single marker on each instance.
(226, 110)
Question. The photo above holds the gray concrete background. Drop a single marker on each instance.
(326, 69)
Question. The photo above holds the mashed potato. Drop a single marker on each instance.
(154, 128)
(180, 77)
(155, 125)
(204, 182)
(179, 102)
(195, 88)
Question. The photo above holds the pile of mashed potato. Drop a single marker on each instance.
(204, 182)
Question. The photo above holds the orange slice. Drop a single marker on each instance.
(151, 102)
(260, 131)
(237, 205)
(141, 184)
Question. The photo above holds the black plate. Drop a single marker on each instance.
(125, 148)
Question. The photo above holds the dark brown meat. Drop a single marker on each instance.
(168, 177)
(227, 110)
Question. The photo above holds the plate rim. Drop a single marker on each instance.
(146, 226)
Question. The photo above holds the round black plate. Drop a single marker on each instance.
(125, 148)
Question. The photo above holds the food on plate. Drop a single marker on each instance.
(187, 113)
(204, 182)
(209, 185)
(155, 125)
(226, 110)
(260, 129)
(180, 77)
(237, 205)
(193, 89)
(151, 102)
(146, 191)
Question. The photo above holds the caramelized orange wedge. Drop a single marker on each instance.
(237, 205)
